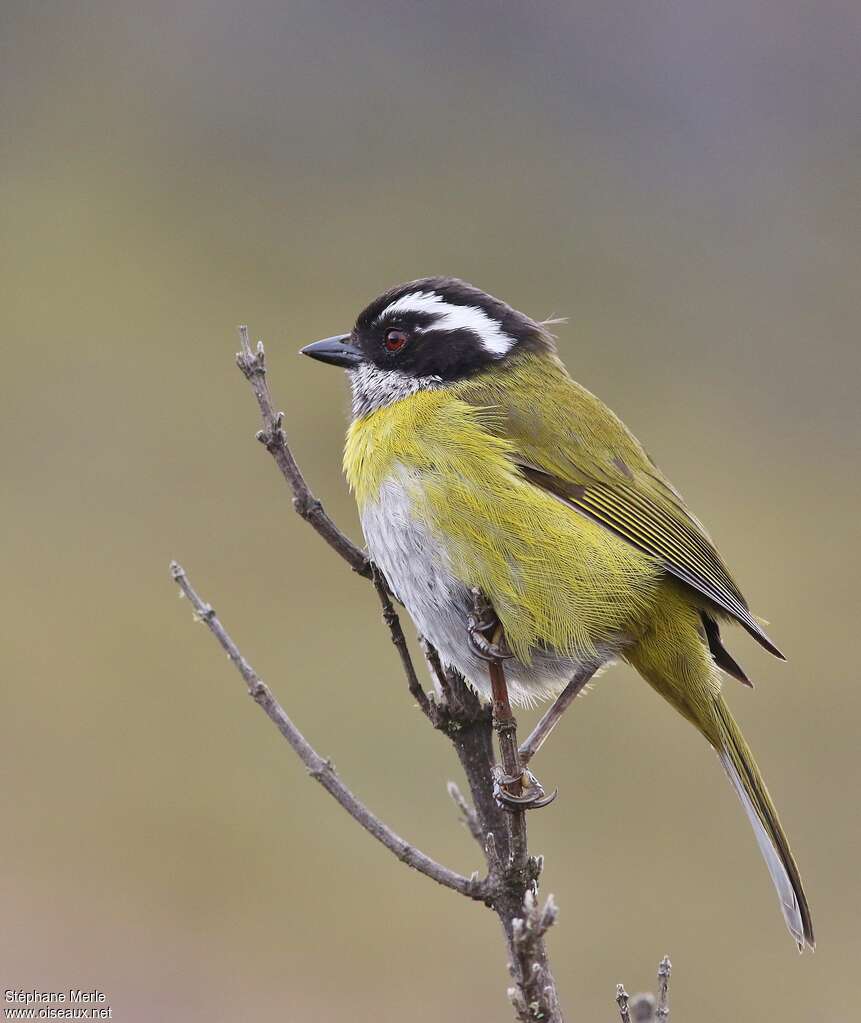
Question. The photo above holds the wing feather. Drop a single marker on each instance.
(579, 451)
(685, 554)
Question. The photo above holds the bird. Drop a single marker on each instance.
(480, 466)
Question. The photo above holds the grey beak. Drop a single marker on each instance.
(335, 350)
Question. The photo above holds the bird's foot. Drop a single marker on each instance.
(520, 792)
(481, 626)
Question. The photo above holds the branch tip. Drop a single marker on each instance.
(622, 1001)
(492, 854)
(535, 866)
(665, 968)
(550, 913)
(253, 367)
(467, 815)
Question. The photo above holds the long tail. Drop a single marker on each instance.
(673, 657)
(738, 762)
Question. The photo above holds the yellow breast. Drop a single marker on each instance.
(430, 431)
(555, 578)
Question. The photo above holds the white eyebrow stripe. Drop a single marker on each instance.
(493, 338)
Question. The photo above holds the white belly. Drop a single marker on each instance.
(418, 571)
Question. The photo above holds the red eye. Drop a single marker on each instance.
(395, 340)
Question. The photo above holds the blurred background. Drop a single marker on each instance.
(681, 181)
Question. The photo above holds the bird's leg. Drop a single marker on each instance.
(513, 786)
(481, 626)
(539, 734)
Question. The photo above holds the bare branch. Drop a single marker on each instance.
(319, 768)
(622, 1002)
(438, 673)
(664, 970)
(390, 617)
(272, 436)
(253, 365)
(538, 736)
(467, 814)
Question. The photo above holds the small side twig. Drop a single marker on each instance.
(439, 675)
(551, 718)
(467, 814)
(664, 970)
(622, 1002)
(253, 365)
(320, 769)
(396, 632)
(272, 436)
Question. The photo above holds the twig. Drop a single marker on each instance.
(319, 768)
(493, 860)
(273, 438)
(390, 617)
(622, 1002)
(538, 736)
(438, 673)
(253, 365)
(467, 814)
(664, 970)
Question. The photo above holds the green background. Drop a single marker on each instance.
(681, 181)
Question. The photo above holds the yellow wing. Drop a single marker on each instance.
(579, 451)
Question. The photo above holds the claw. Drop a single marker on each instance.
(481, 646)
(531, 797)
(479, 624)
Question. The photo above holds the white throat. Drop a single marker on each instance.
(374, 388)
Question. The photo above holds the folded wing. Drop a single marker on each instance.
(664, 533)
(578, 450)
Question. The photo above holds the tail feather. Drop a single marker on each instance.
(738, 762)
(675, 654)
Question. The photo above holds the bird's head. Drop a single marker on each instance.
(424, 335)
